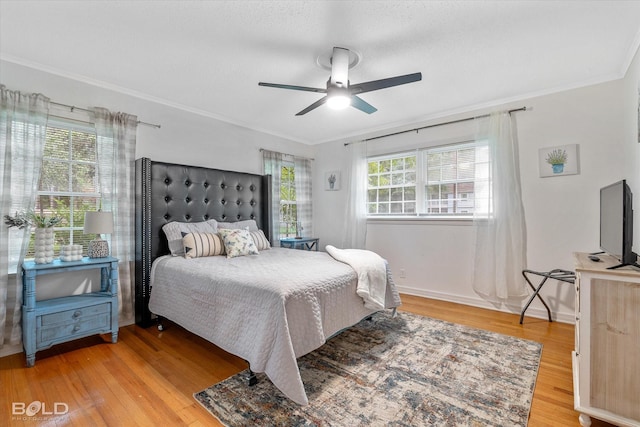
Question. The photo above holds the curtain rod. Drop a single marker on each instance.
(73, 107)
(285, 154)
(435, 125)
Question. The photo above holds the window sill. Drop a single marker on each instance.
(422, 220)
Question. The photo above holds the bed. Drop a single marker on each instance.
(268, 308)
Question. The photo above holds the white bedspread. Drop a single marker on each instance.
(268, 309)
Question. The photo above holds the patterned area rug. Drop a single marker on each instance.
(404, 371)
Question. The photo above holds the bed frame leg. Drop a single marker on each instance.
(160, 321)
(251, 378)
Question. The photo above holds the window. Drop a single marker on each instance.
(292, 190)
(288, 205)
(392, 185)
(68, 181)
(441, 181)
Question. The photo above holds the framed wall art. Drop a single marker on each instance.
(559, 160)
(332, 180)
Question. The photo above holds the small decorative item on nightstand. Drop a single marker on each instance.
(43, 234)
(71, 253)
(98, 223)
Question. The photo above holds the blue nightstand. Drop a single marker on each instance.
(308, 243)
(57, 320)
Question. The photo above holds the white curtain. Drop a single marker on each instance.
(500, 254)
(23, 127)
(116, 145)
(354, 228)
(302, 170)
(272, 162)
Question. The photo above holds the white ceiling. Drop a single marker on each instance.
(208, 56)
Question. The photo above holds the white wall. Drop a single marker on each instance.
(631, 97)
(562, 213)
(184, 137)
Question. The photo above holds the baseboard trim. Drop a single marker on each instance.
(539, 313)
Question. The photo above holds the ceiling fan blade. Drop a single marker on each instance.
(340, 67)
(292, 87)
(362, 105)
(313, 106)
(384, 83)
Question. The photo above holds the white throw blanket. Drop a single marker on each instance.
(371, 269)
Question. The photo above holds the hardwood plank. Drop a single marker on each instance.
(149, 377)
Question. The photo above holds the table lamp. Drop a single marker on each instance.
(98, 223)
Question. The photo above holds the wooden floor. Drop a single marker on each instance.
(149, 377)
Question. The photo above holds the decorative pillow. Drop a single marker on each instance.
(260, 240)
(202, 244)
(249, 224)
(237, 242)
(173, 230)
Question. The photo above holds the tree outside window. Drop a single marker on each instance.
(288, 205)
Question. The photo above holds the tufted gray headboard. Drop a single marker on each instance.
(168, 192)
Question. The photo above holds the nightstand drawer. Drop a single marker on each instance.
(50, 334)
(73, 314)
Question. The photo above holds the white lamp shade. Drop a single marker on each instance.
(98, 222)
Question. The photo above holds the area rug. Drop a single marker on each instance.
(404, 371)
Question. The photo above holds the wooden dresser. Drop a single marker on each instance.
(606, 360)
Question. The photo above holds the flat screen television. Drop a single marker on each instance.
(616, 223)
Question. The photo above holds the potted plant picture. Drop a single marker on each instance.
(557, 159)
(332, 180)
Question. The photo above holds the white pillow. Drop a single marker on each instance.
(237, 242)
(250, 223)
(173, 230)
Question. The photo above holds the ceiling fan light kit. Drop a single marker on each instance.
(338, 98)
(339, 93)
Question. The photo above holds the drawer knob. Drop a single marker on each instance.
(77, 314)
(76, 328)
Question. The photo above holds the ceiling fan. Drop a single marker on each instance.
(341, 94)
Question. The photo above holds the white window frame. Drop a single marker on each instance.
(391, 158)
(422, 181)
(71, 125)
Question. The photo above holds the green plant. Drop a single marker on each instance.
(557, 157)
(31, 219)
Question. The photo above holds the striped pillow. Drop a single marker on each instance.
(202, 244)
(261, 241)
